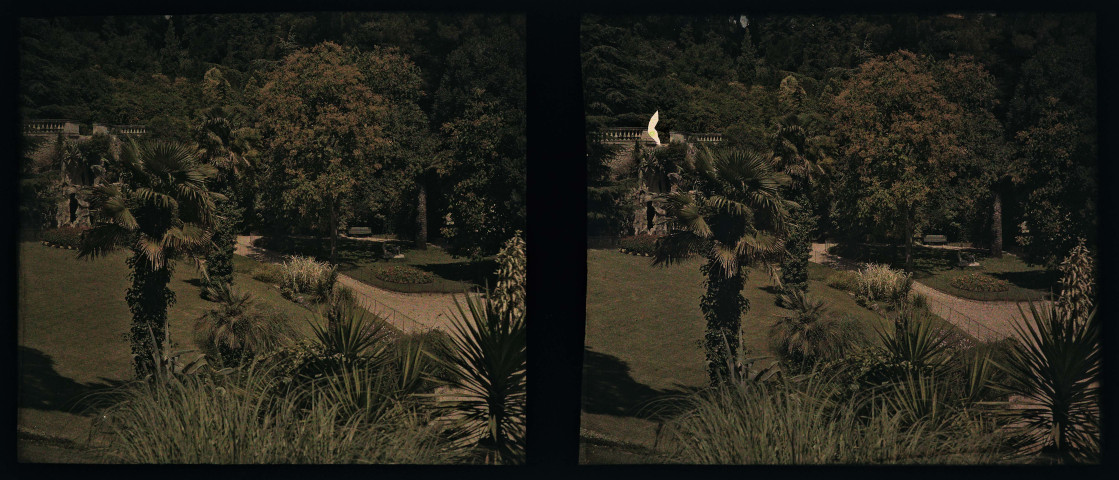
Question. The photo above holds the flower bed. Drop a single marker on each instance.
(404, 274)
(979, 282)
(639, 244)
(64, 237)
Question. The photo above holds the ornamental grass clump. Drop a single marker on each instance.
(881, 284)
(233, 419)
(303, 276)
(789, 423)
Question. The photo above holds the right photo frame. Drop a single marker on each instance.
(841, 239)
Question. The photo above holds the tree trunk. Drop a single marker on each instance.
(421, 214)
(996, 226)
(333, 228)
(148, 299)
(723, 306)
(908, 240)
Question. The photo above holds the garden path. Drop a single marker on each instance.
(982, 320)
(407, 311)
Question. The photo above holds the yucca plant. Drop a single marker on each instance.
(487, 379)
(344, 330)
(1054, 370)
(915, 340)
(918, 398)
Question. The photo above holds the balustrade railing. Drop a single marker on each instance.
(630, 134)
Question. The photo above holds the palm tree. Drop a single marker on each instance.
(736, 218)
(809, 334)
(162, 211)
(221, 147)
(237, 329)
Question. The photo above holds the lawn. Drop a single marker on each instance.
(72, 318)
(642, 344)
(937, 267)
(361, 259)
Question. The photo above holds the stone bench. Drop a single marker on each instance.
(357, 231)
(935, 239)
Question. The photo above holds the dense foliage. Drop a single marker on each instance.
(959, 124)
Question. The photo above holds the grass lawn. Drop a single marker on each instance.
(642, 344)
(361, 259)
(72, 318)
(937, 267)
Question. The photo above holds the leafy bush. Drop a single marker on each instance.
(405, 274)
(797, 424)
(233, 420)
(643, 244)
(304, 276)
(844, 280)
(268, 273)
(63, 236)
(979, 282)
(880, 283)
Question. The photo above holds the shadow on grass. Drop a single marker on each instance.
(41, 387)
(480, 272)
(609, 389)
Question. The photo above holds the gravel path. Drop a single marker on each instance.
(982, 320)
(407, 311)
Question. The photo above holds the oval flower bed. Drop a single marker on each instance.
(979, 282)
(404, 274)
(638, 245)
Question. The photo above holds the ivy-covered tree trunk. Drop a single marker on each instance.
(723, 306)
(794, 267)
(908, 239)
(219, 261)
(148, 298)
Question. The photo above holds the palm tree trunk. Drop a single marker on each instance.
(148, 298)
(723, 306)
(421, 214)
(996, 226)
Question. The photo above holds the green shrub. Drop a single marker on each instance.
(844, 280)
(643, 244)
(63, 236)
(232, 420)
(979, 282)
(268, 273)
(405, 274)
(308, 278)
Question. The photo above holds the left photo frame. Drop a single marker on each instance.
(272, 238)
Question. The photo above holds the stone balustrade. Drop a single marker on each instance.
(50, 127)
(131, 129)
(619, 135)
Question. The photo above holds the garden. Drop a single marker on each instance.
(722, 329)
(145, 338)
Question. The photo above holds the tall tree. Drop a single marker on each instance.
(897, 132)
(321, 125)
(735, 219)
(162, 211)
